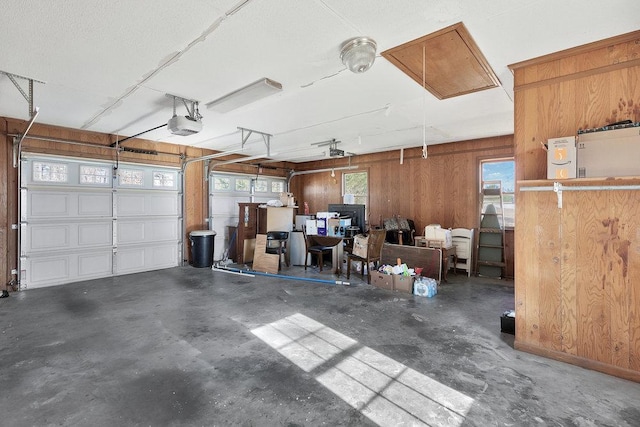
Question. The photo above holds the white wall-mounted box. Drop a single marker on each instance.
(561, 157)
(609, 153)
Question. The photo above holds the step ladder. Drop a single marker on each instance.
(490, 259)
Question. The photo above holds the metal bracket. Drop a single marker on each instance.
(29, 96)
(190, 105)
(265, 136)
(557, 188)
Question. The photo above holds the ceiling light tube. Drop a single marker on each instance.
(246, 95)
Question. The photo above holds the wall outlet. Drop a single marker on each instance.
(14, 272)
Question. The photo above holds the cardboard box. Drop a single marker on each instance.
(312, 227)
(561, 157)
(381, 280)
(338, 226)
(360, 243)
(403, 283)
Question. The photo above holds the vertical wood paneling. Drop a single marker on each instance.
(593, 277)
(440, 189)
(619, 248)
(519, 138)
(569, 304)
(532, 257)
(548, 258)
(633, 290)
(577, 287)
(564, 122)
(532, 152)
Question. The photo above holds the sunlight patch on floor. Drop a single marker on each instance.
(384, 390)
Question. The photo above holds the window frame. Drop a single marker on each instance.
(366, 196)
(508, 225)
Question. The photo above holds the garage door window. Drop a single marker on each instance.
(221, 184)
(277, 186)
(131, 177)
(50, 172)
(261, 186)
(243, 184)
(164, 179)
(94, 175)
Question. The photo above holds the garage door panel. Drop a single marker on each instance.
(130, 204)
(224, 196)
(95, 234)
(43, 270)
(164, 255)
(147, 231)
(77, 223)
(165, 229)
(144, 258)
(46, 205)
(129, 260)
(95, 264)
(131, 232)
(163, 204)
(148, 204)
(56, 204)
(49, 237)
(37, 238)
(95, 204)
(50, 269)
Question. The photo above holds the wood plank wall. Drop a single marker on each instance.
(576, 299)
(439, 189)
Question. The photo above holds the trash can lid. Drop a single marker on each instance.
(202, 233)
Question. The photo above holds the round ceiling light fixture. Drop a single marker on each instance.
(358, 54)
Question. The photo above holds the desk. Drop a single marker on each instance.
(446, 252)
(337, 250)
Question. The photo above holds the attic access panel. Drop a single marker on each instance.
(454, 63)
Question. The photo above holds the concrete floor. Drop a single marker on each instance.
(189, 346)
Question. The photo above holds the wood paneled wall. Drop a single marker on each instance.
(577, 266)
(440, 189)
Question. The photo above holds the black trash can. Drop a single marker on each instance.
(202, 242)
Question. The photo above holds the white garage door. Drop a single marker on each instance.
(83, 219)
(226, 191)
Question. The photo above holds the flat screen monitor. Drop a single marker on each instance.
(355, 212)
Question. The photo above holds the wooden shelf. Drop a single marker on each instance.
(625, 180)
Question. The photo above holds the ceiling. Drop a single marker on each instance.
(107, 67)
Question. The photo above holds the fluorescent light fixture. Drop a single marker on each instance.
(246, 95)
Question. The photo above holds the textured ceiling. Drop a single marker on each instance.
(108, 65)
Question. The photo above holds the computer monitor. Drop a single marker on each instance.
(355, 212)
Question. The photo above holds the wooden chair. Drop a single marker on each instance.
(374, 252)
(313, 247)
